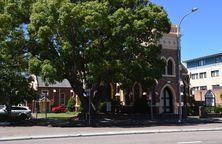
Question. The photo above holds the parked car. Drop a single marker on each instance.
(59, 109)
(2, 106)
(21, 112)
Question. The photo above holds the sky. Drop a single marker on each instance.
(201, 30)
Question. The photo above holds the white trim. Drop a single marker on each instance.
(173, 65)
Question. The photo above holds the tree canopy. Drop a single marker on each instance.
(14, 83)
(89, 41)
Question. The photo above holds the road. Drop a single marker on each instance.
(201, 137)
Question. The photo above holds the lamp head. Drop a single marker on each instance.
(194, 9)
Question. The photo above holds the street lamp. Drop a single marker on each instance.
(179, 60)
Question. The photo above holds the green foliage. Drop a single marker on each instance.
(192, 110)
(15, 88)
(71, 104)
(15, 83)
(102, 107)
(218, 109)
(89, 41)
(208, 109)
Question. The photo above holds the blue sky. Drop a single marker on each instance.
(202, 30)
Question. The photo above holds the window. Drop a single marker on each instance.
(45, 93)
(218, 59)
(209, 99)
(195, 88)
(62, 99)
(194, 76)
(164, 69)
(201, 62)
(203, 75)
(215, 86)
(18, 108)
(215, 73)
(170, 67)
(203, 87)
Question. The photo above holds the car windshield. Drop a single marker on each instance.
(18, 108)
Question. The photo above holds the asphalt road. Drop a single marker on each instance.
(201, 137)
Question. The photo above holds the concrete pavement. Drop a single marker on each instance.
(9, 133)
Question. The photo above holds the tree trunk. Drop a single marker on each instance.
(77, 86)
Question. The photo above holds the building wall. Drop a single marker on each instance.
(52, 98)
(200, 95)
(208, 81)
(54, 94)
(169, 51)
(170, 81)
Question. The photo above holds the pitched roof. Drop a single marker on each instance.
(203, 57)
(64, 84)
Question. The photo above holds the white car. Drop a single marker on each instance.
(22, 112)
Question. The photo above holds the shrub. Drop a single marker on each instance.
(71, 104)
(102, 107)
(192, 110)
(218, 109)
(208, 109)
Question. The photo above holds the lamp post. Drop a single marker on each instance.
(179, 60)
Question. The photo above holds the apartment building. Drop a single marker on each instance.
(206, 76)
(205, 72)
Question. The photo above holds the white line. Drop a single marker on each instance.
(191, 142)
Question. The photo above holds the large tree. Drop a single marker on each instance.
(84, 41)
(96, 40)
(15, 85)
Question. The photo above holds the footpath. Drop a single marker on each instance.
(9, 132)
(105, 127)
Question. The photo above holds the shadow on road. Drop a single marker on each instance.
(113, 121)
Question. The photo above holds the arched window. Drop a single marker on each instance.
(170, 67)
(210, 99)
(164, 69)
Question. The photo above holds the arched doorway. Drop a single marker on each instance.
(167, 100)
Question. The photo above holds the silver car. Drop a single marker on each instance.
(22, 112)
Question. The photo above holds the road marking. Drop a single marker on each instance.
(191, 142)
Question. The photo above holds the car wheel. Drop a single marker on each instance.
(23, 117)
